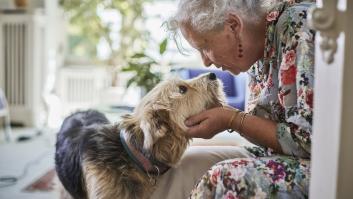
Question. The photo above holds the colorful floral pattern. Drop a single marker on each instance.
(267, 177)
(281, 85)
(281, 89)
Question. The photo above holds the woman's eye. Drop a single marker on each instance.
(183, 89)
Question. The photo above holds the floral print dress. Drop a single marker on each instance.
(281, 89)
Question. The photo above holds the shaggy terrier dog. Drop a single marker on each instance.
(96, 159)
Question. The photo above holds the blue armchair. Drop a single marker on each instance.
(234, 86)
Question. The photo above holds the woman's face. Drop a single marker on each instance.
(221, 49)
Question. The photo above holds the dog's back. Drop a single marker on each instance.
(76, 129)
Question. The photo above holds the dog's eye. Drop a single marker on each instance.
(183, 89)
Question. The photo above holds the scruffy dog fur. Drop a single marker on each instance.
(90, 159)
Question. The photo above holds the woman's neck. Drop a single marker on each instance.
(255, 36)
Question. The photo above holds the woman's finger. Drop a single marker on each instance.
(198, 131)
(196, 119)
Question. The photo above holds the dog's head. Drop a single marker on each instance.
(165, 108)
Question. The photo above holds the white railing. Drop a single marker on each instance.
(80, 87)
(332, 160)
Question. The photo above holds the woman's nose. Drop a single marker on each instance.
(206, 61)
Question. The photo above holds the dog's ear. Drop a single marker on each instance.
(155, 123)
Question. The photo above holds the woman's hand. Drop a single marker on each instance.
(208, 123)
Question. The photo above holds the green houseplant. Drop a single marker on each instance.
(146, 69)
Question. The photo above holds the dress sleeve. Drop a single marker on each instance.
(296, 81)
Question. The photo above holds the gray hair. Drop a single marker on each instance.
(209, 15)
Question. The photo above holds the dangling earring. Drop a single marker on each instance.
(240, 49)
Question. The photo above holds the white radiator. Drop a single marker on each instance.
(80, 87)
(22, 66)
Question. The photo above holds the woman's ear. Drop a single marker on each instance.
(234, 22)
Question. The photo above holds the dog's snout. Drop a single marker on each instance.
(212, 76)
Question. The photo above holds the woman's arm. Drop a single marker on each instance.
(258, 130)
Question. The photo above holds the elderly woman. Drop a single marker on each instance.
(271, 41)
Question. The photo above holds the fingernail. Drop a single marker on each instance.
(187, 123)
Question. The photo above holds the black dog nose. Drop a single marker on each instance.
(212, 76)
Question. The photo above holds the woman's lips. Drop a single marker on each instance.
(222, 67)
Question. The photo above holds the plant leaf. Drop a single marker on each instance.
(138, 55)
(130, 82)
(163, 46)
